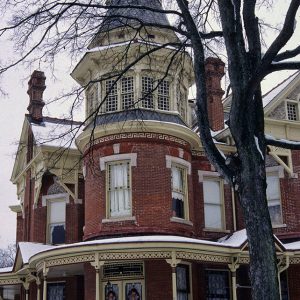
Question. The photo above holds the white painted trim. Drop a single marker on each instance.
(121, 219)
(180, 161)
(126, 156)
(276, 169)
(182, 221)
(203, 174)
(45, 198)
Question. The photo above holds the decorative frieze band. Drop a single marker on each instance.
(10, 281)
(137, 135)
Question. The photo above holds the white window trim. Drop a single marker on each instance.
(280, 171)
(46, 198)
(132, 157)
(214, 176)
(64, 197)
(173, 159)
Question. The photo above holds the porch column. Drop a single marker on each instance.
(233, 267)
(26, 287)
(173, 262)
(97, 264)
(38, 288)
(282, 266)
(45, 273)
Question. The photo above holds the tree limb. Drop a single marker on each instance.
(287, 54)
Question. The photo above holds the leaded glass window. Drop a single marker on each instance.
(217, 285)
(56, 291)
(111, 94)
(182, 282)
(163, 101)
(147, 92)
(127, 92)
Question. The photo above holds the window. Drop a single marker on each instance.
(119, 188)
(56, 221)
(273, 197)
(217, 285)
(147, 92)
(178, 190)
(127, 92)
(182, 282)
(292, 111)
(111, 94)
(163, 96)
(213, 203)
(56, 291)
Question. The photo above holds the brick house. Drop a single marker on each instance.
(127, 206)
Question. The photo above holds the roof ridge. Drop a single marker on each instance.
(279, 84)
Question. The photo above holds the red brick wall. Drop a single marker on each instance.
(158, 280)
(293, 279)
(151, 193)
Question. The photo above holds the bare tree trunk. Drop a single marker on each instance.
(263, 263)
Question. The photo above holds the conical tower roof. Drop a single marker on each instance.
(120, 17)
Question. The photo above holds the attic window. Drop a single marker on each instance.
(292, 111)
(151, 36)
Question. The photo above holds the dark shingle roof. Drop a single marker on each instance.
(119, 17)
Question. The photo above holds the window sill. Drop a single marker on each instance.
(122, 219)
(182, 221)
(279, 226)
(216, 230)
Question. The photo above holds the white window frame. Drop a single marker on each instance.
(214, 176)
(278, 171)
(189, 265)
(156, 92)
(131, 158)
(119, 93)
(46, 200)
(186, 167)
(296, 103)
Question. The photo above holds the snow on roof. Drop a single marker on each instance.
(6, 270)
(28, 249)
(56, 133)
(234, 240)
(292, 246)
(269, 96)
(128, 43)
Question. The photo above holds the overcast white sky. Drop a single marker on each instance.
(14, 106)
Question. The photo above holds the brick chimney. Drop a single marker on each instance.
(36, 87)
(214, 70)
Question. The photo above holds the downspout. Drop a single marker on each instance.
(233, 209)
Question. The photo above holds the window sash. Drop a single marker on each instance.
(111, 94)
(178, 181)
(147, 92)
(273, 198)
(127, 92)
(163, 101)
(119, 189)
(182, 282)
(213, 203)
(292, 111)
(217, 285)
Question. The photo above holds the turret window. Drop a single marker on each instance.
(178, 191)
(127, 92)
(147, 92)
(164, 95)
(119, 188)
(111, 92)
